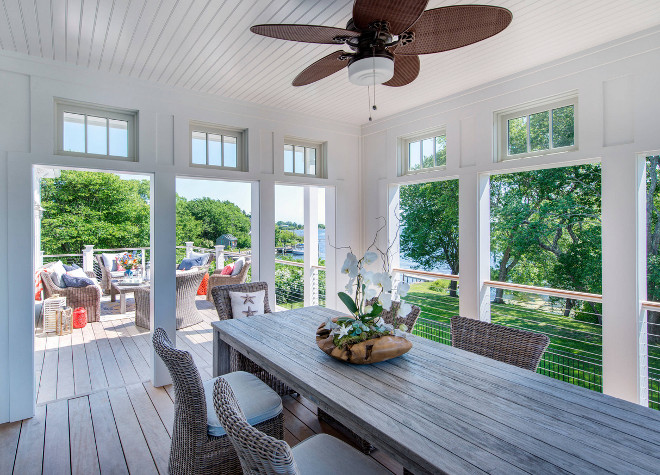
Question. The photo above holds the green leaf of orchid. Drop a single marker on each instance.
(348, 301)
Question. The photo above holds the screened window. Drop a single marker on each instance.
(303, 158)
(216, 146)
(424, 152)
(96, 131)
(548, 127)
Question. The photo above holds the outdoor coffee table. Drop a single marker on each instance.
(123, 287)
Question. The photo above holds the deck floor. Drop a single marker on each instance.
(97, 410)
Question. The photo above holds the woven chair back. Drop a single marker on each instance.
(259, 454)
(388, 315)
(222, 300)
(510, 345)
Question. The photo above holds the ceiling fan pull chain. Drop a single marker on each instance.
(369, 98)
(373, 61)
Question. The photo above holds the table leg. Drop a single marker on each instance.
(220, 355)
(122, 303)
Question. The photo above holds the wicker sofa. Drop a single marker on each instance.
(216, 279)
(88, 297)
(187, 283)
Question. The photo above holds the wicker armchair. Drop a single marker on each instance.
(239, 362)
(509, 345)
(261, 454)
(88, 297)
(193, 449)
(187, 283)
(387, 315)
(216, 279)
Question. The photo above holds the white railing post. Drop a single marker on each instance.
(315, 287)
(88, 258)
(189, 248)
(311, 237)
(219, 256)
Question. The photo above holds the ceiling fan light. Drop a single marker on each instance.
(370, 70)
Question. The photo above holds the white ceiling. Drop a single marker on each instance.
(206, 46)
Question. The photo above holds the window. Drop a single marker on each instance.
(96, 131)
(537, 129)
(423, 152)
(303, 158)
(214, 146)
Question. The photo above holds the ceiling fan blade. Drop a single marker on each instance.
(400, 14)
(406, 70)
(304, 33)
(324, 67)
(447, 28)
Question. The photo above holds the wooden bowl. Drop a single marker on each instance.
(369, 351)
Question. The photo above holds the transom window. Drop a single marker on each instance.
(424, 152)
(548, 127)
(95, 131)
(303, 158)
(216, 146)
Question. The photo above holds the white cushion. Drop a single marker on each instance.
(78, 273)
(238, 265)
(57, 270)
(258, 401)
(206, 256)
(246, 304)
(108, 261)
(323, 454)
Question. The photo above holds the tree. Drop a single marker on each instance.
(97, 208)
(653, 244)
(187, 227)
(429, 225)
(221, 217)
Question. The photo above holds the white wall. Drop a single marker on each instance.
(619, 117)
(27, 139)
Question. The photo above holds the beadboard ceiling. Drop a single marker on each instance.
(206, 46)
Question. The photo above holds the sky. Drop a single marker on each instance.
(289, 201)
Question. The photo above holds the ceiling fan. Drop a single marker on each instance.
(386, 36)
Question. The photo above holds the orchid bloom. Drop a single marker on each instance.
(383, 280)
(370, 257)
(404, 309)
(350, 266)
(402, 289)
(370, 293)
(385, 300)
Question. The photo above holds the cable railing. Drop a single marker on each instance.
(653, 352)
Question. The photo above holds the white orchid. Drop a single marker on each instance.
(402, 289)
(370, 257)
(404, 309)
(350, 266)
(349, 286)
(370, 293)
(367, 276)
(368, 309)
(383, 280)
(385, 300)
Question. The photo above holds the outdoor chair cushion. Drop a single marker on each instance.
(238, 265)
(323, 454)
(246, 304)
(190, 262)
(227, 269)
(73, 281)
(205, 255)
(71, 267)
(258, 401)
(77, 273)
(110, 261)
(57, 270)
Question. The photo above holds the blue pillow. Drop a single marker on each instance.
(188, 263)
(71, 267)
(71, 281)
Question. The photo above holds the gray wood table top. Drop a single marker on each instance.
(439, 409)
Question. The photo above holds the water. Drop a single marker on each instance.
(301, 232)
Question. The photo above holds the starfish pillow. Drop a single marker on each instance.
(246, 304)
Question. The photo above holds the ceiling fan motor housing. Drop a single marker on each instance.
(372, 63)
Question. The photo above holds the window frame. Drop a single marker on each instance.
(95, 110)
(404, 145)
(525, 110)
(225, 131)
(305, 144)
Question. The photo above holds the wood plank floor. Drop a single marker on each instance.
(97, 411)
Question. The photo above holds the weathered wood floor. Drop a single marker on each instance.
(98, 412)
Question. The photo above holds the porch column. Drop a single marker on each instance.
(88, 258)
(311, 236)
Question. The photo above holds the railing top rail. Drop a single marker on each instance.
(62, 255)
(290, 263)
(426, 273)
(650, 305)
(319, 267)
(136, 248)
(566, 294)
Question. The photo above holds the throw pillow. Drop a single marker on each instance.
(117, 266)
(205, 257)
(238, 265)
(189, 262)
(227, 269)
(72, 281)
(78, 273)
(57, 270)
(110, 261)
(71, 267)
(246, 304)
(204, 286)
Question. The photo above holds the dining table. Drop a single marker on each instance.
(440, 409)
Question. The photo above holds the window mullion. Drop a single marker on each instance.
(107, 137)
(550, 130)
(86, 133)
(529, 139)
(206, 136)
(222, 150)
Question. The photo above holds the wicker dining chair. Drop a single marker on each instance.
(238, 361)
(510, 345)
(387, 315)
(261, 454)
(194, 449)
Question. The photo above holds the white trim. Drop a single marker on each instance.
(320, 165)
(404, 150)
(224, 131)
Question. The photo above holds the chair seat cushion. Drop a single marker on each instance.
(116, 274)
(323, 454)
(258, 401)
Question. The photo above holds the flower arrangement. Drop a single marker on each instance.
(128, 260)
(371, 293)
